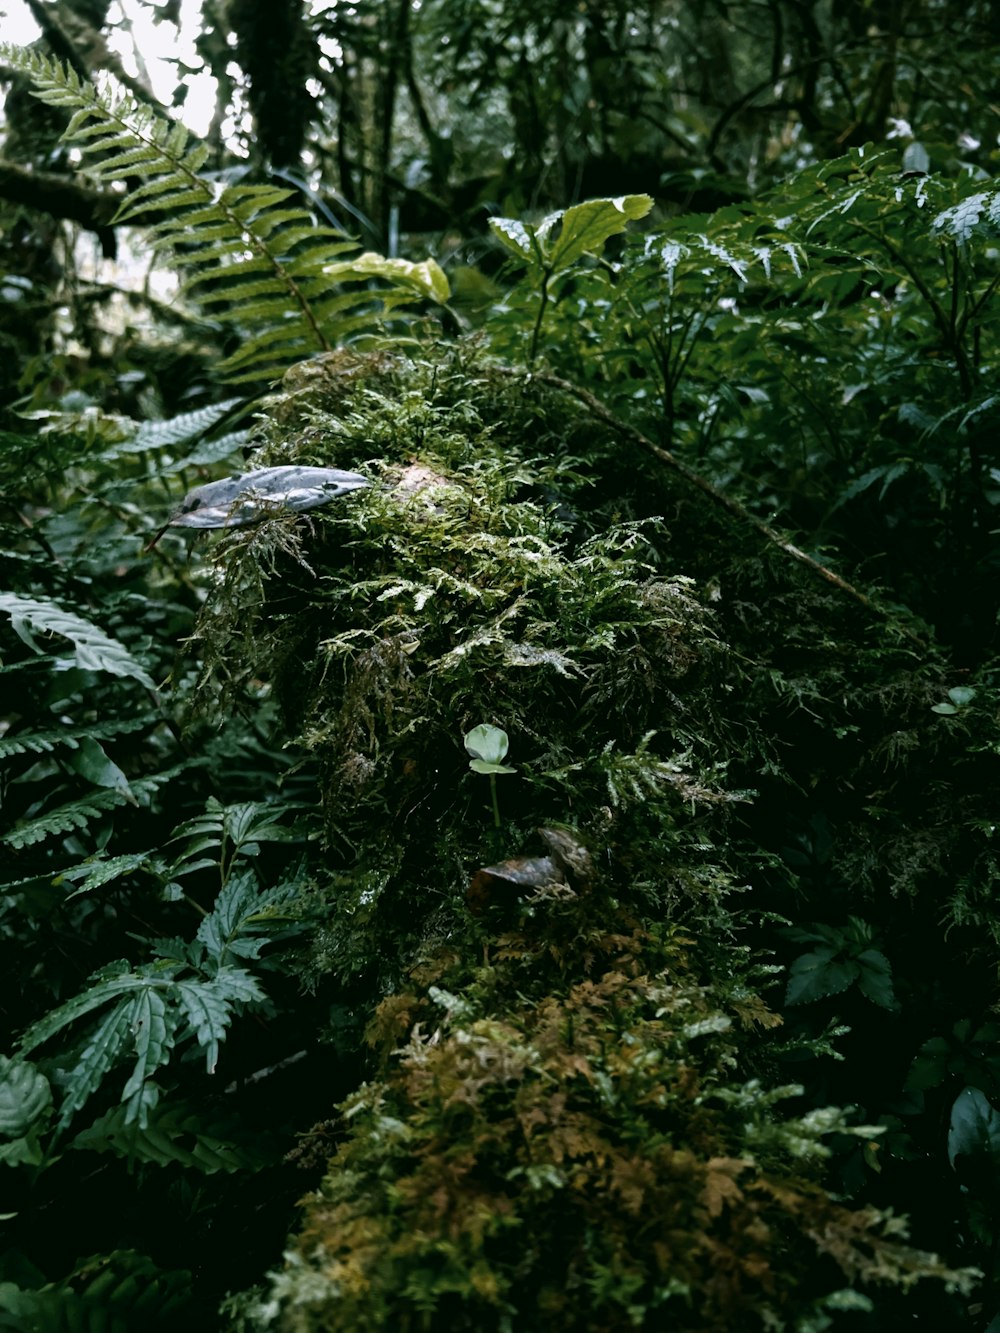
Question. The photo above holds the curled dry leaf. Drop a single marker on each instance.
(248, 497)
(568, 866)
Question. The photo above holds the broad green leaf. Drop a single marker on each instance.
(816, 975)
(930, 1065)
(974, 1132)
(515, 237)
(586, 227)
(426, 277)
(875, 979)
(484, 766)
(91, 761)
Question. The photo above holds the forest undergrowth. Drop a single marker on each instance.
(551, 887)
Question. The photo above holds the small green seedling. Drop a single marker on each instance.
(961, 696)
(488, 746)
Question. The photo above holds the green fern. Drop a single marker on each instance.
(67, 818)
(75, 815)
(51, 738)
(205, 1141)
(120, 1291)
(250, 257)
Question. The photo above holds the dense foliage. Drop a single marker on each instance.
(553, 887)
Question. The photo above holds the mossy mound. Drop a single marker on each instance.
(571, 1135)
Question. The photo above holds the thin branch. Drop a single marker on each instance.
(717, 497)
(60, 196)
(83, 47)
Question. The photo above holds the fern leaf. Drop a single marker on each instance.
(96, 873)
(65, 818)
(979, 213)
(44, 742)
(180, 429)
(93, 649)
(78, 814)
(119, 1291)
(219, 240)
(173, 1134)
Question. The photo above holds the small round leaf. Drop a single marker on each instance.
(487, 743)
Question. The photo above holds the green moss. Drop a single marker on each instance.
(566, 1128)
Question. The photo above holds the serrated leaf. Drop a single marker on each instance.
(94, 650)
(816, 975)
(107, 1043)
(208, 1006)
(875, 979)
(152, 1028)
(25, 1096)
(241, 919)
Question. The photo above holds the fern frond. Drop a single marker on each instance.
(177, 1134)
(93, 649)
(67, 818)
(979, 213)
(122, 1290)
(179, 429)
(75, 815)
(51, 738)
(94, 874)
(258, 261)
